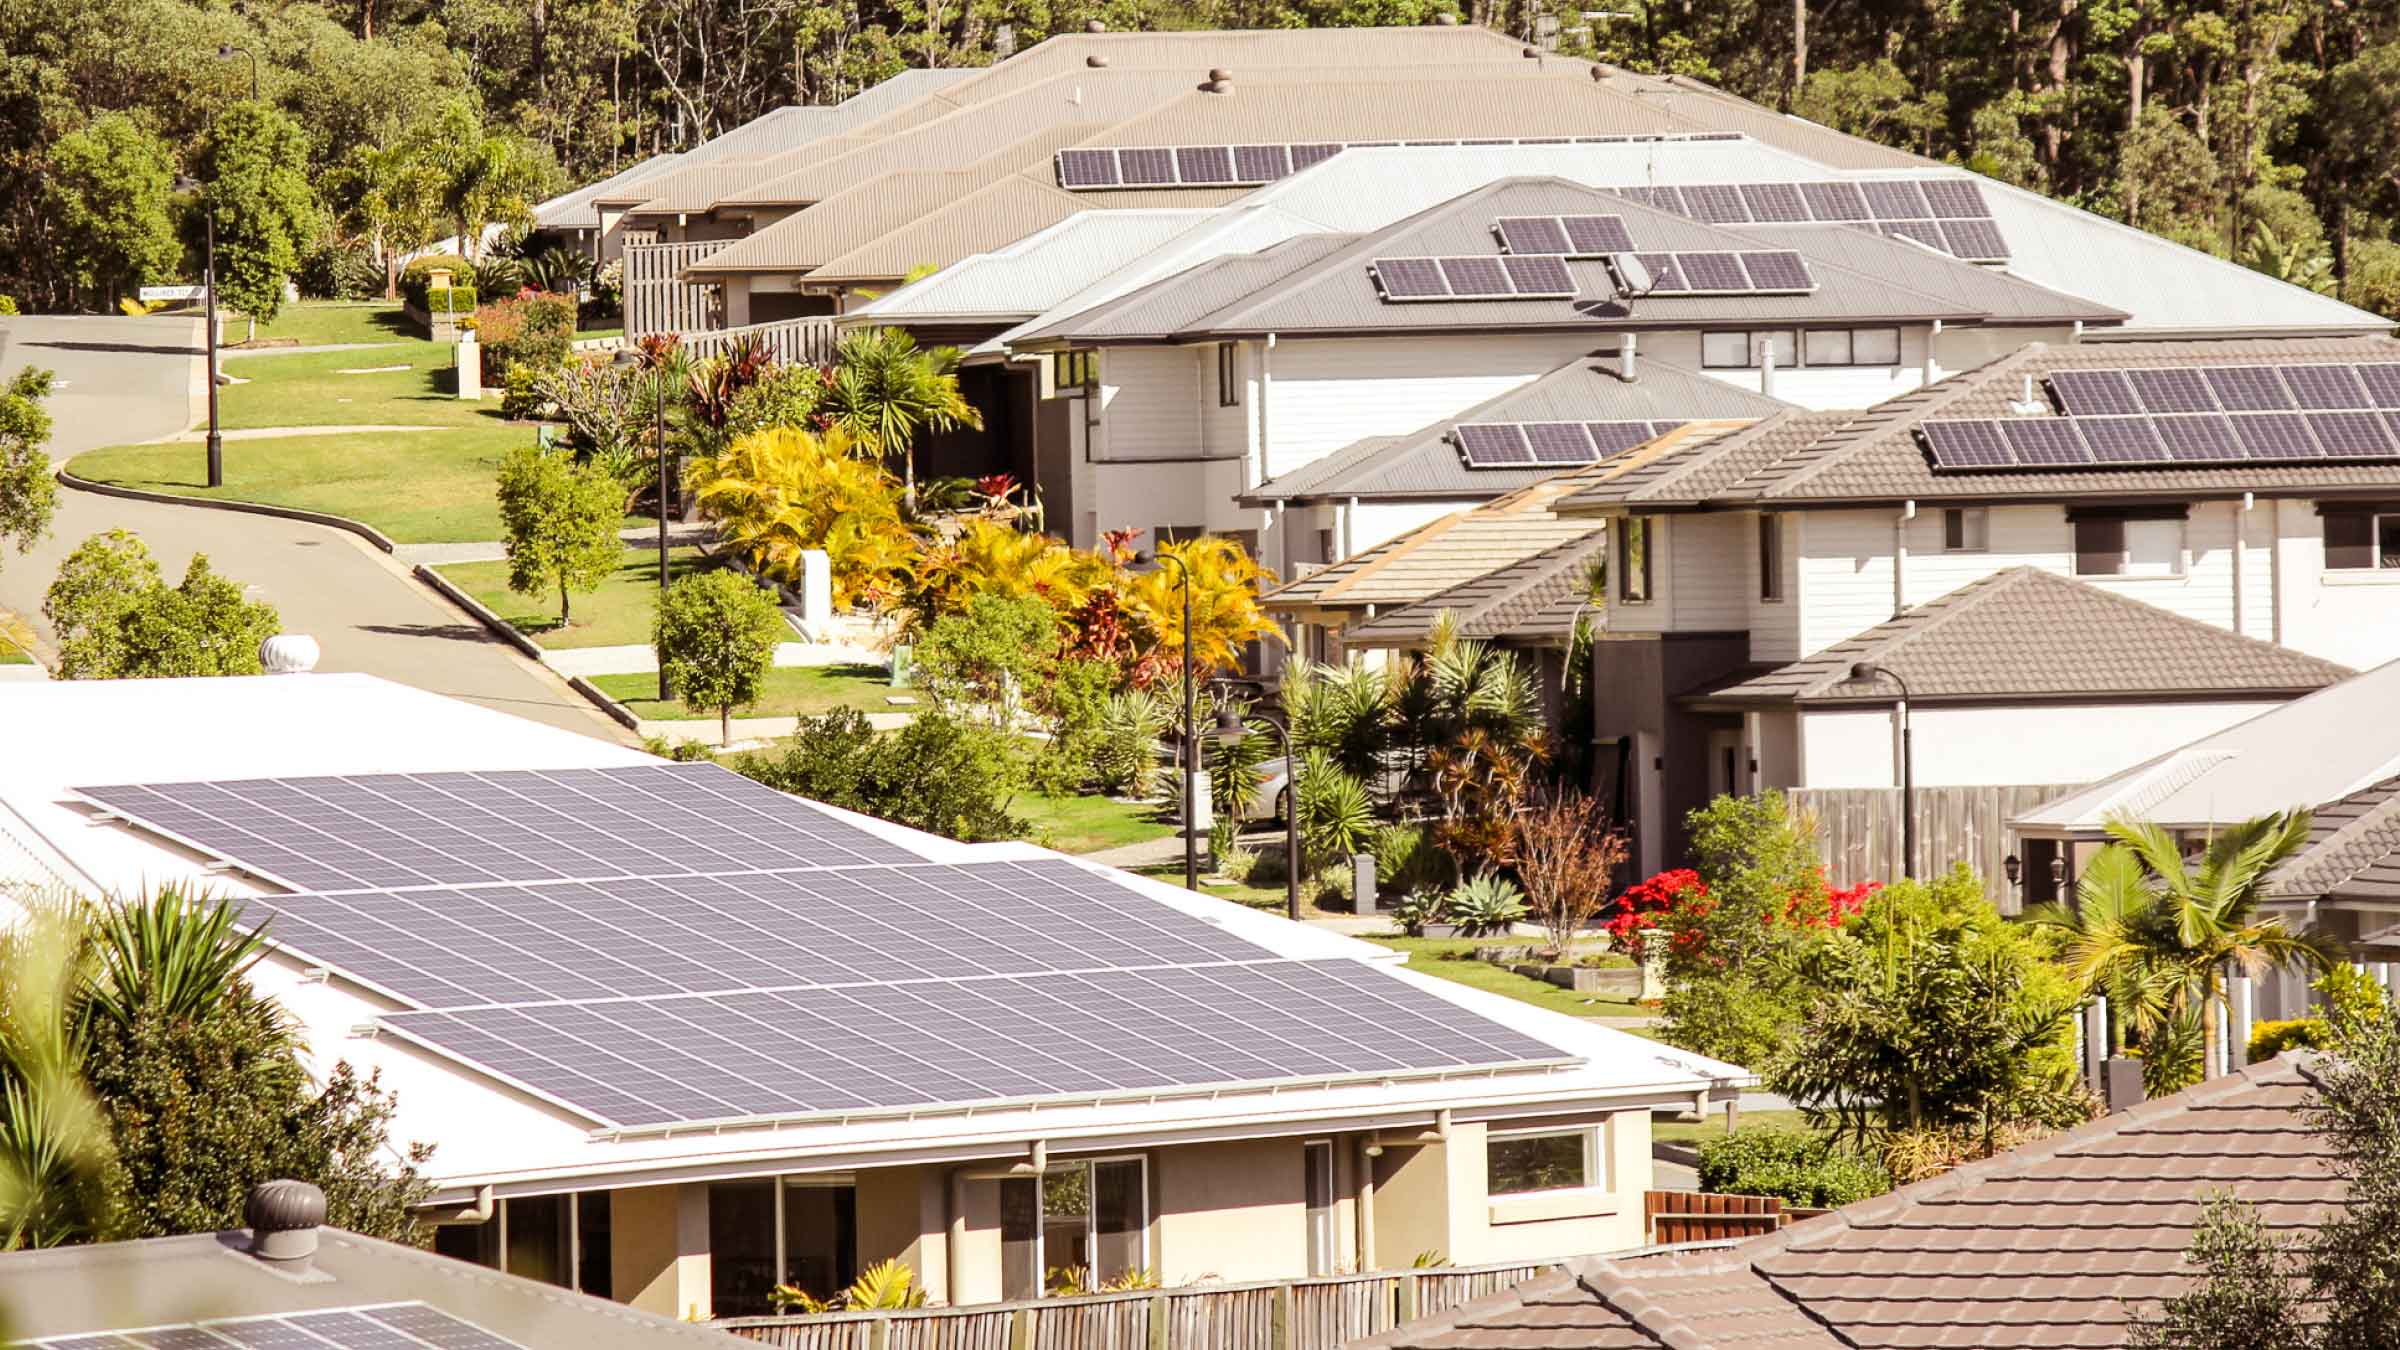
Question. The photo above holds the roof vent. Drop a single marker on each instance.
(1095, 60)
(1599, 72)
(1220, 81)
(284, 1217)
(1445, 19)
(289, 654)
(1534, 52)
(1094, 26)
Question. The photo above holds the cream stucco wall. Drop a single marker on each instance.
(1232, 1211)
(1606, 1216)
(658, 1248)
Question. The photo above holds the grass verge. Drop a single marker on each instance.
(1088, 824)
(791, 691)
(1453, 959)
(618, 614)
(1713, 1125)
(312, 322)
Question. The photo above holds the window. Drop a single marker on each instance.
(2129, 545)
(1550, 1160)
(1817, 347)
(1770, 557)
(778, 1231)
(557, 1239)
(1089, 1217)
(1828, 346)
(1317, 1162)
(1875, 346)
(2362, 540)
(1966, 529)
(1724, 350)
(1633, 559)
(1074, 373)
(1229, 374)
(537, 1237)
(1782, 344)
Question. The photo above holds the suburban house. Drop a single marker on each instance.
(2050, 1244)
(678, 1038)
(2240, 485)
(285, 1279)
(1535, 608)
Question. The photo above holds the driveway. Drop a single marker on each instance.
(124, 380)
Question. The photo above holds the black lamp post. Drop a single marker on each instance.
(1867, 672)
(1187, 757)
(629, 360)
(228, 51)
(1231, 728)
(2014, 868)
(208, 284)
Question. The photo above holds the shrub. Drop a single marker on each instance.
(1804, 1169)
(1074, 698)
(938, 773)
(336, 270)
(715, 635)
(1418, 908)
(455, 300)
(989, 655)
(8, 306)
(1224, 834)
(1407, 858)
(522, 397)
(116, 617)
(415, 277)
(2269, 1039)
(1127, 763)
(534, 331)
(1334, 885)
(1337, 817)
(1485, 903)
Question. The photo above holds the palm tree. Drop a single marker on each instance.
(55, 1153)
(2153, 932)
(885, 389)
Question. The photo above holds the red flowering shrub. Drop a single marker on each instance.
(1653, 902)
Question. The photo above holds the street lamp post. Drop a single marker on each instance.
(1230, 728)
(1188, 757)
(1866, 672)
(228, 51)
(208, 285)
(628, 360)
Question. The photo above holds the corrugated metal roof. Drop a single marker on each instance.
(1435, 557)
(1426, 463)
(2007, 298)
(999, 213)
(2030, 633)
(1536, 602)
(579, 210)
(1874, 455)
(1044, 267)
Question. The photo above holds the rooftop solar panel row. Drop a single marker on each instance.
(2121, 439)
(1517, 445)
(1102, 168)
(401, 1326)
(1762, 272)
(2329, 386)
(1567, 236)
(1513, 276)
(1948, 215)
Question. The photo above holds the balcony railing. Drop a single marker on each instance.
(790, 341)
(657, 300)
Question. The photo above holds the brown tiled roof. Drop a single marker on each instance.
(1875, 456)
(2353, 850)
(2045, 1246)
(2027, 633)
(1434, 557)
(1535, 602)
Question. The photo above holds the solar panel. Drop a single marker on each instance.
(1473, 276)
(1204, 164)
(1615, 438)
(436, 1328)
(1966, 444)
(1532, 234)
(1493, 445)
(1596, 236)
(1539, 275)
(1666, 273)
(1715, 204)
(397, 830)
(2246, 388)
(276, 1334)
(1926, 232)
(1662, 198)
(2045, 441)
(176, 1338)
(1778, 271)
(2350, 435)
(1087, 168)
(1261, 163)
(2382, 380)
(1658, 428)
(1146, 166)
(2171, 390)
(2082, 392)
(1835, 201)
(2330, 386)
(1955, 198)
(357, 1331)
(804, 1052)
(1774, 202)
(1559, 443)
(1410, 278)
(1712, 272)
(2198, 438)
(1306, 156)
(2122, 440)
(1892, 199)
(403, 1326)
(1975, 240)
(2275, 436)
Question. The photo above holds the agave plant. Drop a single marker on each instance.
(1485, 903)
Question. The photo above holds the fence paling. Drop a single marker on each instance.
(657, 300)
(1859, 830)
(790, 341)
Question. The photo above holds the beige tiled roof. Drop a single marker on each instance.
(2046, 1246)
(2027, 633)
(1535, 602)
(2353, 850)
(1875, 456)
(1435, 557)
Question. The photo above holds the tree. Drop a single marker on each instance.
(716, 634)
(561, 519)
(885, 390)
(483, 177)
(777, 493)
(2154, 933)
(938, 773)
(110, 192)
(1226, 615)
(28, 492)
(255, 182)
(1567, 858)
(117, 619)
(990, 658)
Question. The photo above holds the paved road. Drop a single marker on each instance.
(129, 380)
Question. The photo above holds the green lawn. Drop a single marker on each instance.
(586, 334)
(1088, 824)
(616, 615)
(309, 389)
(792, 691)
(312, 322)
(1272, 898)
(1453, 959)
(13, 655)
(1712, 1126)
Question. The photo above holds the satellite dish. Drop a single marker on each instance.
(1632, 278)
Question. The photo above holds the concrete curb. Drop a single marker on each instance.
(366, 532)
(506, 632)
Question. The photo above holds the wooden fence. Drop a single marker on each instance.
(1313, 1314)
(1859, 834)
(790, 341)
(657, 300)
(1675, 1217)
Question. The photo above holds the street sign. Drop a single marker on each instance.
(153, 293)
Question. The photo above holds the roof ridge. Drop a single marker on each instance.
(1937, 395)
(2377, 817)
(1382, 555)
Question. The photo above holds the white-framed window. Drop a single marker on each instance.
(2129, 545)
(2362, 540)
(1089, 1217)
(1725, 351)
(1229, 374)
(1832, 347)
(1770, 557)
(1324, 1251)
(766, 1231)
(1874, 346)
(1635, 537)
(1966, 529)
(1827, 346)
(1519, 1162)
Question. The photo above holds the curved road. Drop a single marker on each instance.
(124, 380)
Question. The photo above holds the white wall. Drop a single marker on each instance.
(1775, 624)
(1331, 392)
(2345, 616)
(2064, 743)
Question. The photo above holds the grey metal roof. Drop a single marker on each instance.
(2030, 634)
(1426, 463)
(110, 1286)
(1533, 603)
(1338, 295)
(579, 210)
(2007, 298)
(2316, 749)
(1874, 455)
(1025, 277)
